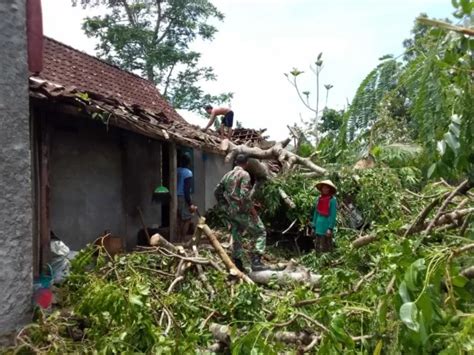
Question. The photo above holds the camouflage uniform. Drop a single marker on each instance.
(236, 193)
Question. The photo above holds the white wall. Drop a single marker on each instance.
(208, 171)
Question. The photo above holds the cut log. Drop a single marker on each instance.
(468, 272)
(289, 202)
(158, 240)
(220, 332)
(285, 277)
(417, 224)
(304, 338)
(222, 254)
(217, 347)
(450, 217)
(361, 241)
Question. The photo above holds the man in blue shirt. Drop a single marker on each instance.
(186, 208)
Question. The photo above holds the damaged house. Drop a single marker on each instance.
(102, 140)
(84, 145)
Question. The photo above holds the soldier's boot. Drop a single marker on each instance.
(239, 264)
(257, 264)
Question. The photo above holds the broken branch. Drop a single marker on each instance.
(457, 190)
(222, 254)
(277, 152)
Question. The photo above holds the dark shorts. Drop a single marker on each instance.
(228, 119)
(183, 209)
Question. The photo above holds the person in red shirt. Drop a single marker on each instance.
(227, 119)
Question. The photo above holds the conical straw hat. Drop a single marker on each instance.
(326, 182)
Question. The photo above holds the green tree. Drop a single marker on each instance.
(423, 100)
(153, 38)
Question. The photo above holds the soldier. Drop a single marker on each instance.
(234, 190)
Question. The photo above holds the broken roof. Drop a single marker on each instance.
(119, 98)
(69, 67)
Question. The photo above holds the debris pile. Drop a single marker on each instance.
(394, 294)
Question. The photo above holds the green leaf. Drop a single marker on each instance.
(459, 281)
(431, 170)
(338, 332)
(452, 141)
(425, 306)
(134, 299)
(295, 72)
(403, 292)
(466, 6)
(441, 146)
(455, 3)
(378, 348)
(412, 275)
(408, 315)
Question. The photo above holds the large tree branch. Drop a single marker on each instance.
(158, 21)
(277, 152)
(129, 12)
(456, 191)
(168, 80)
(165, 32)
(446, 26)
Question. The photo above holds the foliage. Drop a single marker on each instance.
(363, 112)
(153, 38)
(395, 295)
(401, 295)
(331, 120)
(377, 193)
(424, 100)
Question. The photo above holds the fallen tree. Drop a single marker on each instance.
(277, 152)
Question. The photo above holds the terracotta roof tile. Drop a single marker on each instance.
(67, 66)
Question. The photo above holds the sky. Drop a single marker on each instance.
(260, 40)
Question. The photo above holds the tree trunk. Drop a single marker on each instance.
(277, 152)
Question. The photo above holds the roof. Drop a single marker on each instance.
(119, 98)
(71, 67)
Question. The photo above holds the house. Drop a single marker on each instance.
(83, 145)
(102, 140)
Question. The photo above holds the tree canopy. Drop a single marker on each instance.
(153, 38)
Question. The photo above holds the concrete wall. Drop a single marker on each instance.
(215, 168)
(15, 172)
(141, 174)
(98, 177)
(208, 171)
(85, 180)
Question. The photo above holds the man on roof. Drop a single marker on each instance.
(227, 119)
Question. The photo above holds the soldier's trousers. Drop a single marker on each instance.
(253, 227)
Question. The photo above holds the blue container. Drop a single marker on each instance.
(44, 281)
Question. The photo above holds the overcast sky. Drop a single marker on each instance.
(260, 40)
